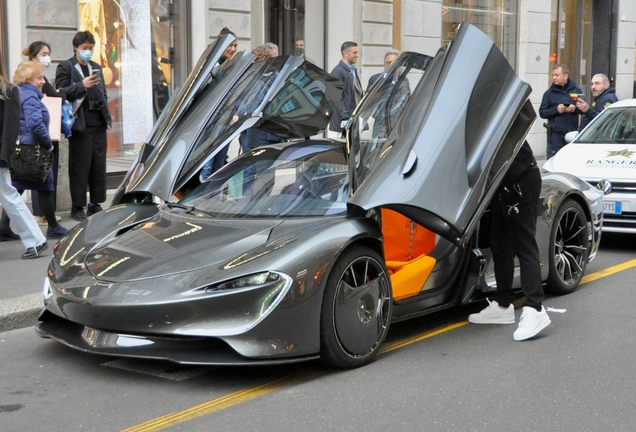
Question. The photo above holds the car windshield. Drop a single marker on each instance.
(614, 125)
(297, 180)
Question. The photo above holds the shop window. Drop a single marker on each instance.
(570, 42)
(496, 18)
(138, 45)
(285, 25)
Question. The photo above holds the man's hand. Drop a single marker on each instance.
(90, 81)
(582, 105)
(563, 109)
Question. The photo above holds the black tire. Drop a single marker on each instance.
(356, 309)
(568, 249)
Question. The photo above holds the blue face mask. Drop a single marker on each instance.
(86, 55)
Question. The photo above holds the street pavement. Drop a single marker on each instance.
(21, 281)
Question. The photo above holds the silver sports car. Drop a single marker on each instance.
(313, 247)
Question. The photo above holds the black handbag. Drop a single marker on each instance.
(30, 163)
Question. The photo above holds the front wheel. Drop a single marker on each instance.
(568, 248)
(356, 309)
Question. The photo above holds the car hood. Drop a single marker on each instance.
(595, 161)
(284, 95)
(461, 127)
(174, 242)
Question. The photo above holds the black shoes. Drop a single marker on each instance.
(8, 235)
(93, 208)
(34, 252)
(78, 214)
(56, 233)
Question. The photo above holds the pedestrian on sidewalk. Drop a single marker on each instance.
(40, 51)
(81, 80)
(11, 201)
(34, 130)
(559, 108)
(346, 72)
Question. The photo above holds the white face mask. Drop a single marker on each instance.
(46, 61)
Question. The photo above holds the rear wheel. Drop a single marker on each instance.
(568, 249)
(356, 309)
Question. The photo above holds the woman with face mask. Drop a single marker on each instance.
(41, 52)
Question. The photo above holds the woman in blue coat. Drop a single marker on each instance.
(34, 129)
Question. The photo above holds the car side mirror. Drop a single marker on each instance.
(569, 137)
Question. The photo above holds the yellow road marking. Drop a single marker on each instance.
(223, 402)
(303, 376)
(608, 271)
(408, 341)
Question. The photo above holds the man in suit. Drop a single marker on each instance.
(388, 59)
(81, 80)
(346, 72)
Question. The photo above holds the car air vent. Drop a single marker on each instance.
(624, 187)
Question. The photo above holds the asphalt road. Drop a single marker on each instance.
(437, 374)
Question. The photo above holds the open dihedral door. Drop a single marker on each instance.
(452, 140)
(285, 95)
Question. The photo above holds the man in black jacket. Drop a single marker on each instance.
(346, 72)
(604, 96)
(559, 108)
(81, 80)
(514, 223)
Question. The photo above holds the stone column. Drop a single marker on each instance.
(63, 191)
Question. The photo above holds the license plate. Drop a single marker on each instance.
(613, 207)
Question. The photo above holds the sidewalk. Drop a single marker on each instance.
(21, 280)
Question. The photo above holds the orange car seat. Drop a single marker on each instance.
(406, 245)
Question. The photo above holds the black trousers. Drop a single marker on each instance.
(514, 224)
(35, 197)
(87, 166)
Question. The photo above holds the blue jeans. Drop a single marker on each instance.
(12, 203)
(215, 164)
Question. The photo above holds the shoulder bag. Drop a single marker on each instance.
(30, 162)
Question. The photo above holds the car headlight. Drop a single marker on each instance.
(46, 289)
(258, 279)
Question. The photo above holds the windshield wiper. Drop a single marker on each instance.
(188, 209)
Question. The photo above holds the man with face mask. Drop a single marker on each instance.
(81, 80)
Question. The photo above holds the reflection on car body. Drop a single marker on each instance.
(310, 248)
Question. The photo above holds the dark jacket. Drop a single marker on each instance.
(555, 95)
(601, 102)
(50, 91)
(34, 129)
(373, 79)
(522, 161)
(10, 115)
(351, 94)
(69, 77)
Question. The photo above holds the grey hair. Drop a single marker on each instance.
(391, 52)
(603, 77)
(271, 45)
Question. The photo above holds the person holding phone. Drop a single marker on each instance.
(81, 79)
(604, 96)
(559, 109)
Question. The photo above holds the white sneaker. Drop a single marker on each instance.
(493, 314)
(531, 323)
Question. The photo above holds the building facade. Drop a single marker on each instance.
(147, 47)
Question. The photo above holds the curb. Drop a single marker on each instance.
(20, 312)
